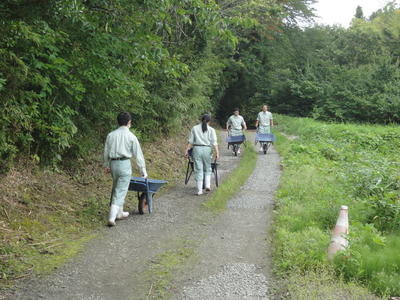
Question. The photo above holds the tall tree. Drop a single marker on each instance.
(359, 13)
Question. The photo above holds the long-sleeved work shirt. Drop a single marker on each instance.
(122, 143)
(264, 118)
(236, 124)
(200, 138)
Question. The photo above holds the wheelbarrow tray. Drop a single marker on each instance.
(235, 139)
(138, 184)
(265, 137)
(145, 189)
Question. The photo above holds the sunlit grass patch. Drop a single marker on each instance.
(163, 267)
(324, 284)
(231, 185)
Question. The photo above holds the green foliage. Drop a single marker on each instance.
(323, 284)
(328, 73)
(330, 165)
(359, 13)
(68, 67)
(232, 184)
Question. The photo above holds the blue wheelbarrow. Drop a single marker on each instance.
(265, 140)
(235, 141)
(145, 189)
(190, 169)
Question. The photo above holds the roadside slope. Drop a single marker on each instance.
(134, 259)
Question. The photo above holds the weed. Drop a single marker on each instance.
(235, 180)
(163, 266)
(330, 165)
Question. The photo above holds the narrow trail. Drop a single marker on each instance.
(234, 258)
(232, 247)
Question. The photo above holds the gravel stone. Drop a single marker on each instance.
(234, 281)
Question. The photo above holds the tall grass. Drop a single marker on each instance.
(330, 165)
(236, 179)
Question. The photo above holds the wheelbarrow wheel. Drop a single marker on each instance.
(266, 147)
(142, 205)
(235, 149)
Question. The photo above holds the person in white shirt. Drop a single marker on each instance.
(202, 139)
(121, 145)
(264, 121)
(236, 124)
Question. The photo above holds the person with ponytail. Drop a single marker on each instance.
(203, 140)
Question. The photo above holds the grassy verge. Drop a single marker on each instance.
(327, 166)
(235, 180)
(47, 216)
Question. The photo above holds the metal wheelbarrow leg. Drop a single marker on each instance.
(189, 171)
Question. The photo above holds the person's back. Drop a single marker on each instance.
(206, 138)
(202, 139)
(120, 146)
(121, 136)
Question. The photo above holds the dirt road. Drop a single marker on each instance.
(181, 251)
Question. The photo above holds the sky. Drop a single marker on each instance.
(341, 12)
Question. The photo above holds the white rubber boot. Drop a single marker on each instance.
(208, 183)
(113, 214)
(199, 188)
(122, 214)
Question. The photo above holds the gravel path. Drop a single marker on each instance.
(231, 256)
(234, 259)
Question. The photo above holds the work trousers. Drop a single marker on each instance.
(202, 162)
(121, 172)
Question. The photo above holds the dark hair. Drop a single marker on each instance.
(204, 120)
(236, 109)
(123, 118)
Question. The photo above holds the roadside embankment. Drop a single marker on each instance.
(327, 166)
(46, 215)
(141, 256)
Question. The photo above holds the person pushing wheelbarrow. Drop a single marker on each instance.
(264, 122)
(235, 126)
(202, 140)
(121, 145)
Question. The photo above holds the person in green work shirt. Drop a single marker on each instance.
(202, 139)
(236, 124)
(121, 145)
(264, 121)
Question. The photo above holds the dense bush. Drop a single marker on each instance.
(328, 73)
(68, 66)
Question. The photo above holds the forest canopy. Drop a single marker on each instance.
(67, 67)
(325, 72)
